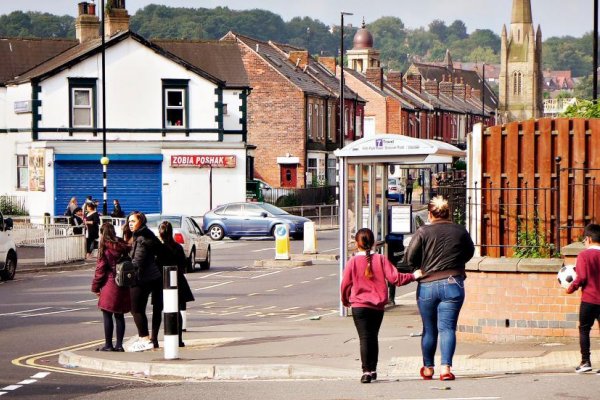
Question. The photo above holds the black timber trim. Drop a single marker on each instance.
(219, 108)
(35, 109)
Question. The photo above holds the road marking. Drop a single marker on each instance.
(231, 298)
(253, 294)
(208, 303)
(211, 274)
(269, 308)
(295, 316)
(334, 249)
(53, 312)
(319, 278)
(259, 250)
(457, 398)
(25, 311)
(333, 274)
(214, 286)
(271, 290)
(27, 381)
(288, 286)
(41, 375)
(267, 274)
(11, 387)
(290, 309)
(86, 301)
(305, 282)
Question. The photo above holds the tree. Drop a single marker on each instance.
(485, 38)
(584, 88)
(439, 29)
(457, 31)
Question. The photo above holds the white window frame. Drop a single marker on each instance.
(181, 107)
(309, 122)
(22, 164)
(89, 106)
(330, 132)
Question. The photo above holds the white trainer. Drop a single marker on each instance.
(141, 345)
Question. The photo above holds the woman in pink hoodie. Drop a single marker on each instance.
(364, 288)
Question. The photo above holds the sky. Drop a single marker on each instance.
(556, 17)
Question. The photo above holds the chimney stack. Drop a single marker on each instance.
(87, 24)
(432, 87)
(375, 76)
(329, 63)
(299, 58)
(116, 18)
(394, 79)
(414, 82)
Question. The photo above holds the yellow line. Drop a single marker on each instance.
(30, 361)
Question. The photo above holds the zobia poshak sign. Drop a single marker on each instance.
(202, 161)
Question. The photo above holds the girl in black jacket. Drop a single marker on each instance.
(149, 281)
(171, 253)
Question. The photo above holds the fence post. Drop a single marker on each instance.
(557, 170)
(170, 311)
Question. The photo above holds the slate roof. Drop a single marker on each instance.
(330, 81)
(18, 55)
(277, 59)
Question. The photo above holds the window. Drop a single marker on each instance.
(311, 172)
(359, 132)
(317, 118)
(331, 172)
(224, 109)
(252, 210)
(175, 102)
(321, 116)
(82, 102)
(309, 122)
(517, 83)
(330, 117)
(22, 172)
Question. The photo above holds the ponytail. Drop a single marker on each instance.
(365, 240)
(369, 269)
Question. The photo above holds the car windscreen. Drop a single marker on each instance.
(272, 209)
(155, 220)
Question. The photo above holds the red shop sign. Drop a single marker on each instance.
(203, 161)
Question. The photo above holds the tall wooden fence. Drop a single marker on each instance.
(541, 175)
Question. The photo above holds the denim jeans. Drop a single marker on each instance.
(367, 322)
(439, 305)
(588, 314)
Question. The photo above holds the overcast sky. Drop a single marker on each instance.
(556, 17)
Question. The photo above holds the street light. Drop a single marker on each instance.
(483, 94)
(342, 107)
(595, 75)
(104, 161)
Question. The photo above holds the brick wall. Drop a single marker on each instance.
(276, 120)
(523, 294)
(376, 103)
(394, 116)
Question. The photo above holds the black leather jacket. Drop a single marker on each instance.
(143, 255)
(440, 250)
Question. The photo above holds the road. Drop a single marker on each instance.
(42, 314)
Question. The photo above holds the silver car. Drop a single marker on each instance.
(188, 234)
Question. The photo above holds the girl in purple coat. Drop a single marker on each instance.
(112, 299)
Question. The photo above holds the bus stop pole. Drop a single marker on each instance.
(343, 220)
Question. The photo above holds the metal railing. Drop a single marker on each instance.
(288, 197)
(321, 215)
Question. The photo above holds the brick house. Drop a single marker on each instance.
(293, 113)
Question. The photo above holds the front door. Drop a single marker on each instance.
(288, 175)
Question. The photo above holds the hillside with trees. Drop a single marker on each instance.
(398, 45)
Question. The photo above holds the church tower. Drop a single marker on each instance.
(521, 79)
(363, 56)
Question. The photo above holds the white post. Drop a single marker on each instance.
(170, 312)
(310, 238)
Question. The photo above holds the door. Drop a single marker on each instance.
(255, 223)
(289, 176)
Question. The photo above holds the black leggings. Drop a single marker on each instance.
(588, 314)
(367, 322)
(139, 300)
(108, 328)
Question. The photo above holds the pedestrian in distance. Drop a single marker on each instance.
(117, 211)
(145, 246)
(113, 301)
(77, 221)
(88, 200)
(440, 250)
(92, 227)
(171, 253)
(588, 279)
(70, 210)
(364, 288)
(410, 182)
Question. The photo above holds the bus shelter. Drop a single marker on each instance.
(363, 181)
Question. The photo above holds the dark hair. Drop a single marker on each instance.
(439, 208)
(140, 216)
(127, 234)
(107, 234)
(165, 232)
(593, 232)
(76, 210)
(365, 240)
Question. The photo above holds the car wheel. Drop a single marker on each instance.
(234, 237)
(216, 232)
(205, 265)
(191, 261)
(9, 268)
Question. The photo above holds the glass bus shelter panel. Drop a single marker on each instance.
(364, 212)
(352, 196)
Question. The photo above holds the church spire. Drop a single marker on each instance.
(521, 12)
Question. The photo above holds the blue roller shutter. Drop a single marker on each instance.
(137, 184)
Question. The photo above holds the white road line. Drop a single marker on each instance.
(253, 294)
(305, 282)
(11, 387)
(53, 312)
(295, 316)
(288, 286)
(25, 311)
(27, 381)
(333, 274)
(319, 278)
(41, 375)
(231, 298)
(457, 398)
(334, 249)
(267, 274)
(290, 309)
(269, 308)
(213, 286)
(271, 290)
(86, 301)
(259, 250)
(208, 303)
(209, 275)
(3, 393)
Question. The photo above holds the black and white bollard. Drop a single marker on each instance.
(170, 311)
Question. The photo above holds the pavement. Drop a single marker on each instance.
(320, 347)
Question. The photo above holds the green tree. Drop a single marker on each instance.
(457, 31)
(439, 29)
(583, 89)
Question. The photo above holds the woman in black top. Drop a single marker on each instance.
(92, 225)
(149, 281)
(171, 253)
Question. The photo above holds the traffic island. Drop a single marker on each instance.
(270, 263)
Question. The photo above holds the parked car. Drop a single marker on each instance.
(187, 233)
(395, 190)
(235, 220)
(8, 250)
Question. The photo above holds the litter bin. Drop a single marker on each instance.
(395, 253)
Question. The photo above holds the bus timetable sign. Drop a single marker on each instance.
(202, 161)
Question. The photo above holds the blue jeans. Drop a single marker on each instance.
(439, 305)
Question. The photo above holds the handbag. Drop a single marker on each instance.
(125, 272)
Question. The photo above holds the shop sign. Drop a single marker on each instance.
(202, 161)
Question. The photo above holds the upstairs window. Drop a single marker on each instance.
(22, 172)
(330, 117)
(82, 102)
(309, 122)
(175, 103)
(517, 83)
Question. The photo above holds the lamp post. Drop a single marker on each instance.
(595, 75)
(342, 106)
(483, 94)
(104, 160)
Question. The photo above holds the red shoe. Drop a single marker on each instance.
(426, 377)
(447, 377)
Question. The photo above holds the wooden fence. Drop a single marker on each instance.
(557, 161)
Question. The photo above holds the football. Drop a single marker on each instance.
(566, 275)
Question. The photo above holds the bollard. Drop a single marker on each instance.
(282, 242)
(183, 320)
(310, 238)
(170, 311)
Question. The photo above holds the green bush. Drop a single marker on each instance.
(582, 109)
(289, 200)
(532, 244)
(10, 207)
